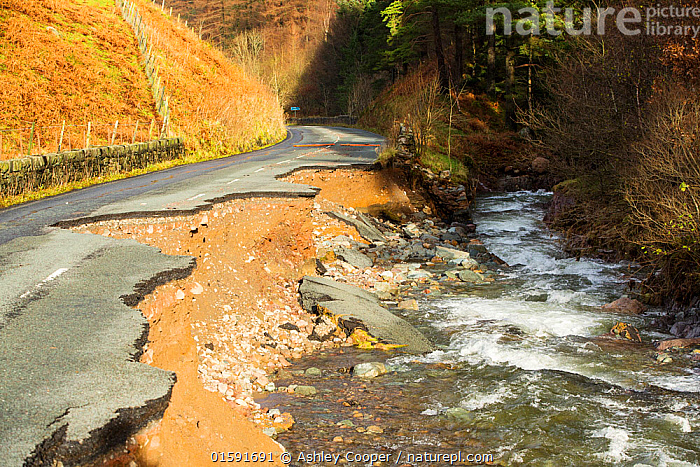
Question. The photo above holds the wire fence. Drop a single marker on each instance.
(36, 140)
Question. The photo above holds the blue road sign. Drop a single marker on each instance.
(294, 109)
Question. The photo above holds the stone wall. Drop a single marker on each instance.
(26, 174)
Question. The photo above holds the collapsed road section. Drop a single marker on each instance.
(70, 384)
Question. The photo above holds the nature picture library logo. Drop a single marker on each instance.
(653, 20)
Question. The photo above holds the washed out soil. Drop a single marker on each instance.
(219, 330)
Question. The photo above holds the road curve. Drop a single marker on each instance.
(70, 339)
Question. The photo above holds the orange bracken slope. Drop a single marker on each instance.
(68, 60)
(78, 61)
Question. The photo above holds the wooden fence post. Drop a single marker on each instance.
(150, 130)
(31, 139)
(0, 146)
(136, 128)
(87, 135)
(165, 118)
(114, 133)
(60, 141)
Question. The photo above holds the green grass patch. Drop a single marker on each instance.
(438, 161)
(387, 155)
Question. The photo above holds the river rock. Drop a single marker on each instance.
(671, 343)
(427, 238)
(411, 304)
(283, 374)
(418, 251)
(452, 274)
(324, 329)
(313, 266)
(466, 263)
(465, 275)
(412, 230)
(369, 370)
(625, 306)
(353, 257)
(476, 249)
(451, 253)
(384, 287)
(419, 274)
(305, 390)
(664, 358)
(537, 297)
(313, 371)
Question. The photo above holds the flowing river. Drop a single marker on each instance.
(521, 372)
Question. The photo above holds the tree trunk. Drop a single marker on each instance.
(510, 86)
(459, 54)
(439, 53)
(491, 61)
(471, 57)
(529, 80)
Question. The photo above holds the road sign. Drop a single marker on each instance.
(294, 109)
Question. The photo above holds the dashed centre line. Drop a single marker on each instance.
(51, 277)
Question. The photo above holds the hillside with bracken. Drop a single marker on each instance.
(64, 64)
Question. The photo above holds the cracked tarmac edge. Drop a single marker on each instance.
(72, 402)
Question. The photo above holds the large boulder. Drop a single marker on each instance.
(540, 165)
(624, 306)
(352, 305)
(677, 343)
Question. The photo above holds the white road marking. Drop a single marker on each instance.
(284, 162)
(234, 181)
(54, 275)
(50, 278)
(260, 169)
(198, 196)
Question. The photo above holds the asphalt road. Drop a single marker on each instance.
(70, 339)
